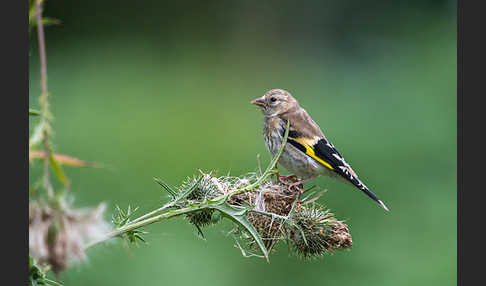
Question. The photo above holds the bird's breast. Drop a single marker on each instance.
(292, 158)
(272, 133)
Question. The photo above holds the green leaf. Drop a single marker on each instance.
(140, 238)
(52, 282)
(199, 232)
(46, 21)
(124, 221)
(190, 190)
(58, 170)
(238, 215)
(31, 11)
(34, 112)
(171, 192)
(121, 217)
(37, 275)
(119, 210)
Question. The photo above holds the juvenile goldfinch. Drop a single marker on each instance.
(309, 153)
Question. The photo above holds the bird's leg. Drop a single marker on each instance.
(283, 179)
(277, 171)
(299, 184)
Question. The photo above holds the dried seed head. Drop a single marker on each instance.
(270, 198)
(59, 237)
(311, 231)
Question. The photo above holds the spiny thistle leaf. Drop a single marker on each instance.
(238, 215)
(181, 195)
(122, 218)
(186, 193)
(171, 192)
(37, 276)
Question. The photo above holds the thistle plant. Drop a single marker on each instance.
(264, 211)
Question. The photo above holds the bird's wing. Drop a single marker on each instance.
(305, 135)
(321, 150)
(324, 152)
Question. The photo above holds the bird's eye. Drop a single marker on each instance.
(273, 99)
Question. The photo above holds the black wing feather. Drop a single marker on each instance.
(325, 151)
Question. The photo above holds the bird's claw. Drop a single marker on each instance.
(285, 179)
(292, 183)
(296, 185)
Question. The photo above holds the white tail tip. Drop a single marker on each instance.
(383, 205)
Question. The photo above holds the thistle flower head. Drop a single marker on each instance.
(207, 187)
(314, 232)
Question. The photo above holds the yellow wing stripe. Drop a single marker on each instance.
(310, 151)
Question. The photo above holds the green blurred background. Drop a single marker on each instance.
(161, 88)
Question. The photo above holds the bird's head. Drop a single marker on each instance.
(275, 102)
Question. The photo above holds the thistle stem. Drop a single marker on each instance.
(164, 207)
(134, 225)
(43, 97)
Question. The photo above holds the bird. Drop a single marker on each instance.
(310, 154)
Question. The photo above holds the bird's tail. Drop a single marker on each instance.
(373, 196)
(353, 180)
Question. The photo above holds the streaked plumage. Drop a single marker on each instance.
(309, 153)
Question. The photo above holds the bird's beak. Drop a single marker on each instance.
(258, 101)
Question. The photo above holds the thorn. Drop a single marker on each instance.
(315, 198)
(305, 191)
